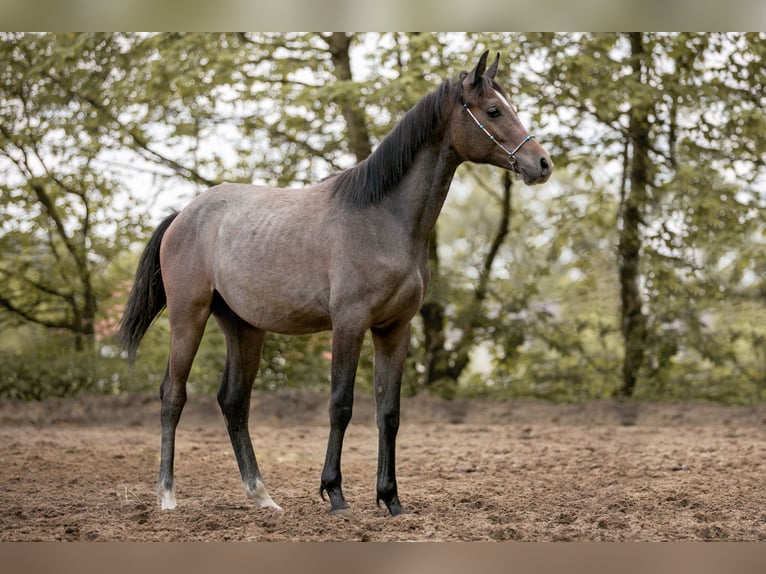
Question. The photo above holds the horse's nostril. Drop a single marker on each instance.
(545, 165)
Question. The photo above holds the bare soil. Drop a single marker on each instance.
(85, 470)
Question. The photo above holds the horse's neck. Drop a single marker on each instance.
(423, 190)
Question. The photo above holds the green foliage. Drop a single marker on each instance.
(702, 219)
(36, 365)
(83, 115)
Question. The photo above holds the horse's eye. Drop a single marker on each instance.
(493, 112)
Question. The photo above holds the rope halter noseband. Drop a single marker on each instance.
(511, 154)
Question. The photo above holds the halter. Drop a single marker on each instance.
(511, 154)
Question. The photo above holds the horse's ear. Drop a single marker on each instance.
(474, 78)
(492, 70)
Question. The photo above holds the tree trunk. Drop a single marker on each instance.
(81, 303)
(444, 366)
(629, 248)
(358, 136)
(436, 356)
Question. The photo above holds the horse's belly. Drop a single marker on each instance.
(279, 309)
(290, 321)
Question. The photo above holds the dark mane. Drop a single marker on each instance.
(370, 181)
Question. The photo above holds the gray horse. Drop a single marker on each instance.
(348, 254)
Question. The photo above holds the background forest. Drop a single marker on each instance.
(637, 271)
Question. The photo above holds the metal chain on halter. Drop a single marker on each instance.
(511, 154)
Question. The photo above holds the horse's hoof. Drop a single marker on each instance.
(167, 499)
(271, 504)
(397, 510)
(258, 495)
(393, 505)
(344, 511)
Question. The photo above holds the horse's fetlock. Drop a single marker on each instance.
(331, 481)
(387, 490)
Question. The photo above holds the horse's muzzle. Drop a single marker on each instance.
(535, 170)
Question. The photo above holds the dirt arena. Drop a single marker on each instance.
(470, 470)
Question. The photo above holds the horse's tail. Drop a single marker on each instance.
(147, 296)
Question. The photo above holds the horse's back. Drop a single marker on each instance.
(264, 250)
(247, 217)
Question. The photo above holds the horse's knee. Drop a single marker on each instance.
(340, 415)
(341, 407)
(388, 420)
(387, 417)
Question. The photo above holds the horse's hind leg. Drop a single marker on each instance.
(185, 335)
(243, 355)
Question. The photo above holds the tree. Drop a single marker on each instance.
(635, 195)
(653, 109)
(79, 111)
(444, 364)
(623, 276)
(57, 229)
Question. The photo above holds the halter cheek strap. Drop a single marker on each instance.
(511, 154)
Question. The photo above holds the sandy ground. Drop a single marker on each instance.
(470, 470)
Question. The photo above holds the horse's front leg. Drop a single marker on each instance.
(390, 352)
(346, 346)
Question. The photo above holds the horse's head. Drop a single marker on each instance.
(486, 129)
